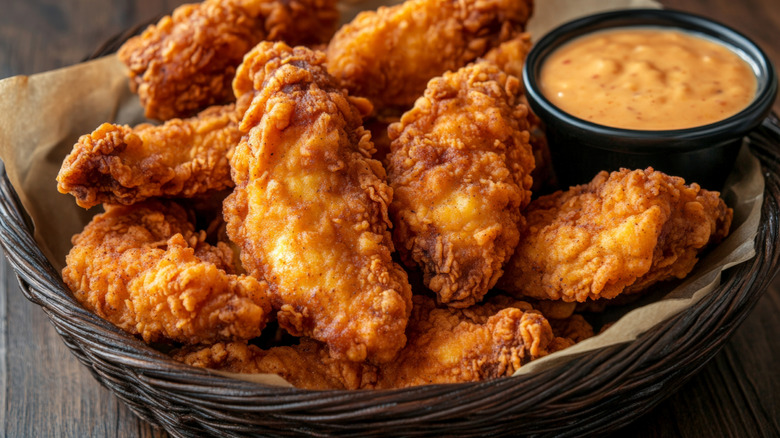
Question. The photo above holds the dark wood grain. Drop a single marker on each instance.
(47, 392)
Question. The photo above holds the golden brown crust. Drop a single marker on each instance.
(574, 328)
(187, 61)
(309, 210)
(510, 57)
(117, 164)
(146, 270)
(306, 365)
(486, 341)
(460, 168)
(489, 340)
(620, 233)
(388, 55)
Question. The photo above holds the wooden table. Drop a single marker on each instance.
(46, 392)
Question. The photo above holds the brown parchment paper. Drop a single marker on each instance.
(42, 116)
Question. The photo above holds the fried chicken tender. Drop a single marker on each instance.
(117, 164)
(510, 57)
(307, 365)
(573, 327)
(186, 62)
(460, 168)
(466, 345)
(620, 233)
(145, 269)
(309, 210)
(388, 55)
(568, 328)
(445, 346)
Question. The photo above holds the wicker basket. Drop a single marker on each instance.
(598, 392)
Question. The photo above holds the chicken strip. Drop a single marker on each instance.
(307, 365)
(145, 269)
(389, 55)
(620, 233)
(510, 57)
(460, 168)
(187, 61)
(466, 345)
(445, 346)
(574, 328)
(309, 210)
(117, 164)
(568, 328)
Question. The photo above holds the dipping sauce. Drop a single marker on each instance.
(647, 79)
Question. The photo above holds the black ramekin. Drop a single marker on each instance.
(704, 154)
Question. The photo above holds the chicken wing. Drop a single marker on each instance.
(389, 55)
(460, 168)
(145, 269)
(309, 210)
(621, 232)
(187, 61)
(117, 164)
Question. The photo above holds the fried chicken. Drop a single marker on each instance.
(117, 164)
(309, 210)
(186, 62)
(145, 269)
(460, 168)
(306, 366)
(620, 233)
(388, 55)
(510, 57)
(574, 328)
(486, 341)
(465, 345)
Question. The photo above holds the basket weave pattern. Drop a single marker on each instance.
(598, 392)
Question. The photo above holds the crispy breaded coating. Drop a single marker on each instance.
(621, 232)
(485, 341)
(309, 210)
(460, 168)
(568, 328)
(573, 327)
(510, 57)
(306, 366)
(117, 164)
(186, 62)
(388, 55)
(145, 269)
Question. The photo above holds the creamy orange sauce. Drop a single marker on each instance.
(647, 79)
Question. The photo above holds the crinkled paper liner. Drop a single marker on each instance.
(42, 116)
